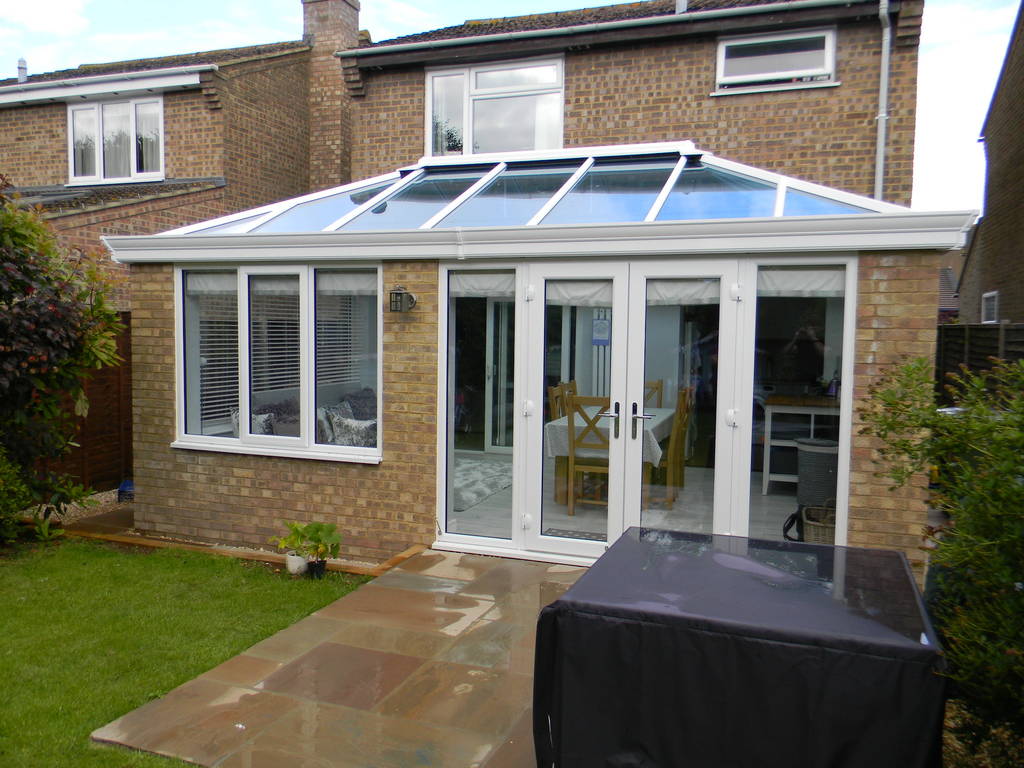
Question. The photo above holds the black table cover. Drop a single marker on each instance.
(679, 649)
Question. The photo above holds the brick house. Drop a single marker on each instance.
(992, 280)
(404, 355)
(137, 147)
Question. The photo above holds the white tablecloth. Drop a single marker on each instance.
(556, 433)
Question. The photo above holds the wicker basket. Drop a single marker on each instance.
(819, 525)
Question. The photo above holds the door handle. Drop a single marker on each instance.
(612, 415)
(639, 417)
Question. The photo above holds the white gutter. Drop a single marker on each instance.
(58, 90)
(797, 234)
(883, 97)
(600, 26)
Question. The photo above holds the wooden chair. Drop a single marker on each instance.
(556, 405)
(654, 392)
(588, 447)
(673, 460)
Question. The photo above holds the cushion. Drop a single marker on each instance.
(324, 428)
(262, 423)
(361, 433)
(363, 403)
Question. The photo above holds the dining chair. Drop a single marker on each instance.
(673, 459)
(556, 404)
(654, 391)
(588, 447)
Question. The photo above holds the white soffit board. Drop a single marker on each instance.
(121, 83)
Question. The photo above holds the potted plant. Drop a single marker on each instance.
(294, 544)
(322, 540)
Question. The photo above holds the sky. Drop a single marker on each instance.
(962, 48)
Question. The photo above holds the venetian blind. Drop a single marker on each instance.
(274, 336)
(343, 335)
(213, 296)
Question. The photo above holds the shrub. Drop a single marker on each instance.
(56, 327)
(14, 498)
(978, 450)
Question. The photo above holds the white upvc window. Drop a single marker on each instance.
(280, 360)
(788, 60)
(116, 141)
(507, 107)
(990, 307)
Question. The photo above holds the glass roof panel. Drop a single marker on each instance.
(412, 205)
(315, 215)
(805, 204)
(613, 191)
(710, 193)
(238, 225)
(512, 198)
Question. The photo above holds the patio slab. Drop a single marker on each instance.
(429, 665)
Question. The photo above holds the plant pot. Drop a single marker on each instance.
(296, 564)
(316, 568)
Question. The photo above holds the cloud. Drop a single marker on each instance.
(386, 19)
(60, 18)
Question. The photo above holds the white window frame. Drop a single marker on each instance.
(304, 446)
(96, 107)
(985, 301)
(471, 93)
(824, 76)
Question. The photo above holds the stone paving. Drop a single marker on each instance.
(429, 665)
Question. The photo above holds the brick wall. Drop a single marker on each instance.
(381, 509)
(266, 133)
(897, 304)
(33, 144)
(659, 91)
(331, 25)
(996, 261)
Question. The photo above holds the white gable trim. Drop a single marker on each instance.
(119, 83)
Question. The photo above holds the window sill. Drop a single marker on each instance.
(285, 453)
(99, 182)
(772, 88)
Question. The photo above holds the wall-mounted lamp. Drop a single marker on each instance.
(401, 299)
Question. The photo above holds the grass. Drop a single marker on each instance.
(89, 632)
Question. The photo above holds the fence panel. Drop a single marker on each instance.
(104, 456)
(975, 346)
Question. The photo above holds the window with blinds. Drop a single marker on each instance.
(327, 339)
(274, 353)
(211, 360)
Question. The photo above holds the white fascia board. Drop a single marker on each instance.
(873, 231)
(685, 147)
(121, 83)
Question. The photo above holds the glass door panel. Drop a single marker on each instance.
(798, 354)
(578, 360)
(480, 351)
(681, 354)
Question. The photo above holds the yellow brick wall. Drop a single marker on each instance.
(897, 305)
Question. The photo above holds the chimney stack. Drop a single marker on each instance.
(22, 71)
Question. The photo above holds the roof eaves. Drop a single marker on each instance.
(602, 26)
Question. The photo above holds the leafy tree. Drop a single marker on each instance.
(56, 327)
(977, 449)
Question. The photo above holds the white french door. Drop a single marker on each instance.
(650, 351)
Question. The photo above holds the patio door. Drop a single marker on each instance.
(628, 389)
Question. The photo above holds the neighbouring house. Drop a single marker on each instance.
(142, 146)
(548, 328)
(992, 281)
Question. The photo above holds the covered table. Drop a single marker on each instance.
(679, 649)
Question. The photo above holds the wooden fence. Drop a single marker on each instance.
(104, 456)
(975, 345)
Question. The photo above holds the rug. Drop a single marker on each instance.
(477, 479)
(567, 534)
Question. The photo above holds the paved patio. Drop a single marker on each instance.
(428, 665)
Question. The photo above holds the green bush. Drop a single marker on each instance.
(978, 455)
(56, 327)
(14, 498)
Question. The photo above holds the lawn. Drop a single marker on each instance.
(90, 631)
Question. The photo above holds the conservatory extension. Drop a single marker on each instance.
(526, 354)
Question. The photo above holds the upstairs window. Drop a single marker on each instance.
(793, 60)
(990, 307)
(116, 141)
(506, 107)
